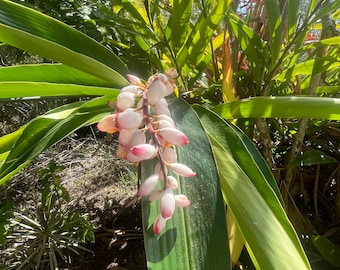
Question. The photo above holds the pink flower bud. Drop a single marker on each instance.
(172, 73)
(169, 89)
(108, 124)
(161, 107)
(125, 100)
(125, 136)
(129, 119)
(168, 203)
(133, 89)
(133, 79)
(169, 155)
(164, 123)
(159, 171)
(181, 200)
(171, 182)
(159, 225)
(174, 136)
(166, 118)
(181, 169)
(132, 158)
(155, 195)
(148, 185)
(156, 91)
(122, 151)
(144, 151)
(162, 77)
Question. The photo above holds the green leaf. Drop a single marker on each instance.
(328, 250)
(30, 30)
(293, 10)
(242, 150)
(17, 90)
(52, 73)
(265, 227)
(192, 54)
(196, 236)
(313, 157)
(47, 129)
(180, 22)
(275, 28)
(312, 66)
(252, 45)
(284, 107)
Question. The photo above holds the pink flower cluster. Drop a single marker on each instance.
(142, 108)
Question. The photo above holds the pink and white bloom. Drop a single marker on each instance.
(168, 203)
(148, 185)
(129, 119)
(144, 151)
(181, 200)
(108, 124)
(156, 91)
(125, 100)
(171, 182)
(169, 155)
(133, 89)
(181, 169)
(159, 225)
(173, 136)
(161, 107)
(133, 79)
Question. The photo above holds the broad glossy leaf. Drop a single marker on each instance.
(18, 90)
(268, 239)
(47, 129)
(30, 30)
(242, 150)
(284, 107)
(51, 73)
(196, 236)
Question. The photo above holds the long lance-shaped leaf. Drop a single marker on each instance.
(51, 73)
(252, 164)
(196, 236)
(30, 30)
(179, 23)
(18, 90)
(253, 46)
(242, 149)
(45, 130)
(275, 28)
(267, 240)
(285, 107)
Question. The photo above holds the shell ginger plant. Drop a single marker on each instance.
(151, 115)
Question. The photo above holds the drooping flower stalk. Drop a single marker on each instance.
(143, 108)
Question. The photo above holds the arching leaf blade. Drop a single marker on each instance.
(196, 236)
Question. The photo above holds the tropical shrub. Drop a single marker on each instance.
(266, 72)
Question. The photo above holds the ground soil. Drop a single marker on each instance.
(102, 187)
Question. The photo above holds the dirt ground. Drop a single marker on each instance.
(100, 186)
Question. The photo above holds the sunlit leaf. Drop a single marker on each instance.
(196, 236)
(284, 107)
(30, 30)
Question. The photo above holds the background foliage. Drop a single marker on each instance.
(274, 74)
